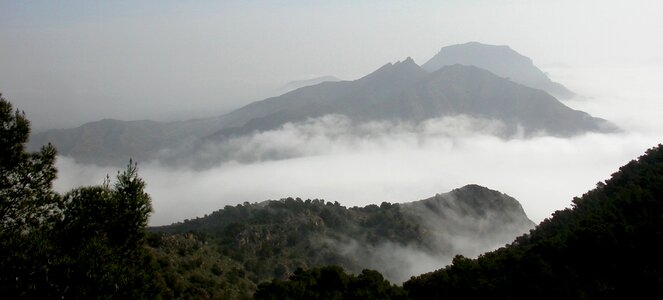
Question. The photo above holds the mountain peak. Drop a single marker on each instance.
(479, 44)
(406, 69)
(408, 60)
(500, 60)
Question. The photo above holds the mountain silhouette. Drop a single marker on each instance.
(500, 60)
(396, 92)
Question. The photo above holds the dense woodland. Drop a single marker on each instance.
(604, 247)
(232, 250)
(93, 243)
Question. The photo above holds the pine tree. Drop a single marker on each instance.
(89, 243)
(28, 206)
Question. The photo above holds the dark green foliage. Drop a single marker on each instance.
(274, 231)
(100, 242)
(87, 244)
(244, 245)
(330, 282)
(26, 197)
(28, 206)
(253, 243)
(192, 269)
(606, 246)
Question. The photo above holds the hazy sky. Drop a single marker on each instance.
(69, 62)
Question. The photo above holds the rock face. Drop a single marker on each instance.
(500, 60)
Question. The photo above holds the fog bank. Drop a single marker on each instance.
(401, 163)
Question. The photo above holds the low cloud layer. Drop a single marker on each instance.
(327, 158)
(338, 135)
(542, 173)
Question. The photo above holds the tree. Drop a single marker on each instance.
(28, 206)
(89, 243)
(102, 240)
(330, 282)
(26, 179)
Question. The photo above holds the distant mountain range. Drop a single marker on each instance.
(500, 60)
(399, 92)
(230, 251)
(405, 92)
(293, 85)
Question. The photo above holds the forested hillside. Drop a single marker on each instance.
(605, 246)
(91, 242)
(232, 250)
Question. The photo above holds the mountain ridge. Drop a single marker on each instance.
(395, 92)
(602, 247)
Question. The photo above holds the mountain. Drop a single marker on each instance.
(114, 142)
(293, 85)
(500, 60)
(398, 92)
(405, 92)
(230, 251)
(604, 247)
(106, 141)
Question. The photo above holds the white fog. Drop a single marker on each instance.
(403, 164)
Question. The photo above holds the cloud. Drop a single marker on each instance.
(450, 231)
(367, 163)
(338, 135)
(396, 164)
(361, 164)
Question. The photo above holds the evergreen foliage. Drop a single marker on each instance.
(91, 242)
(330, 282)
(26, 179)
(234, 249)
(231, 251)
(86, 244)
(604, 247)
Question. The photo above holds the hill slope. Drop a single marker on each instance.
(234, 249)
(501, 60)
(604, 247)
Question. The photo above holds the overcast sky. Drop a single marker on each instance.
(70, 62)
